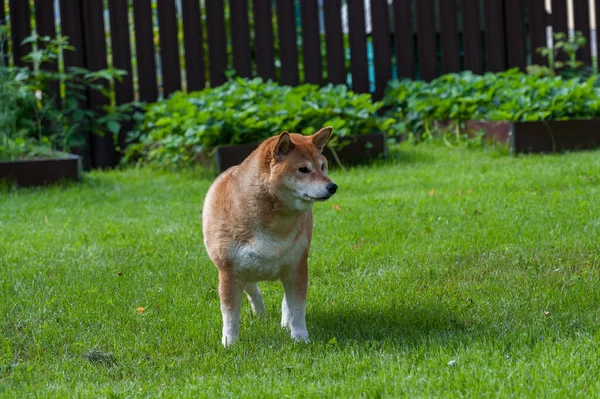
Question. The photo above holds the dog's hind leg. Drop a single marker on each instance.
(230, 292)
(255, 298)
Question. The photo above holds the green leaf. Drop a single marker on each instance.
(113, 126)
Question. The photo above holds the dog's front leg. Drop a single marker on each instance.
(230, 292)
(293, 309)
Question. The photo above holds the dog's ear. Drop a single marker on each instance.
(284, 144)
(321, 137)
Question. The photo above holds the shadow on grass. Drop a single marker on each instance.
(407, 325)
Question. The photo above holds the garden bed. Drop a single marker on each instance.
(538, 136)
(555, 136)
(38, 172)
(355, 150)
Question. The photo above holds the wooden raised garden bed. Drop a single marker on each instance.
(555, 136)
(541, 136)
(357, 149)
(38, 172)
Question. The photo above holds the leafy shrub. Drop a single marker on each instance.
(567, 46)
(506, 96)
(41, 108)
(177, 130)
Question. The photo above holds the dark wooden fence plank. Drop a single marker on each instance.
(193, 43)
(597, 19)
(472, 36)
(288, 47)
(449, 36)
(494, 35)
(334, 42)
(217, 47)
(263, 39)
(3, 45)
(404, 44)
(581, 10)
(240, 37)
(358, 46)
(537, 27)
(44, 18)
(380, 22)
(121, 57)
(516, 51)
(103, 152)
(169, 46)
(20, 15)
(144, 49)
(121, 49)
(71, 26)
(559, 16)
(426, 39)
(45, 26)
(311, 41)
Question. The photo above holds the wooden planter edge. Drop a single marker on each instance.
(39, 172)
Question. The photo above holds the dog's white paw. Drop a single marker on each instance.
(228, 340)
(300, 336)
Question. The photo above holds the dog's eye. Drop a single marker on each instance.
(303, 169)
(323, 168)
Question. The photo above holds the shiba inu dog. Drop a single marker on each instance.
(257, 225)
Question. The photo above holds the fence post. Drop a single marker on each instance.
(334, 42)
(449, 36)
(3, 46)
(217, 41)
(358, 46)
(537, 24)
(404, 39)
(288, 48)
(121, 53)
(472, 36)
(169, 46)
(92, 11)
(263, 33)
(144, 50)
(380, 24)
(495, 45)
(426, 39)
(581, 9)
(559, 21)
(516, 52)
(20, 26)
(311, 42)
(240, 38)
(193, 42)
(71, 26)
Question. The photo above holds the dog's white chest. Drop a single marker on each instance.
(265, 257)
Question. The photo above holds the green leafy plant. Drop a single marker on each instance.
(563, 44)
(180, 129)
(49, 105)
(505, 96)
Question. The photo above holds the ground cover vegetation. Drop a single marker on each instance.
(44, 104)
(439, 272)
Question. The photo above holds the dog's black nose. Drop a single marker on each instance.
(332, 188)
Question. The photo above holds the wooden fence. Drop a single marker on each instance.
(170, 45)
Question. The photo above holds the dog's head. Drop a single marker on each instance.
(298, 169)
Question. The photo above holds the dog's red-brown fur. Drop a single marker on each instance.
(257, 224)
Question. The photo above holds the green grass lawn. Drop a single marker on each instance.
(440, 273)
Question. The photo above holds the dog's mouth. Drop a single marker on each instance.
(318, 199)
